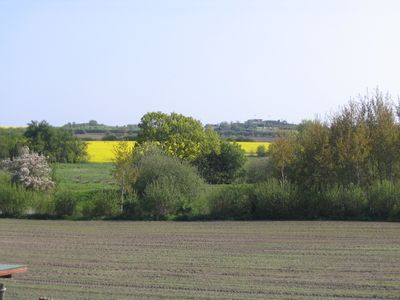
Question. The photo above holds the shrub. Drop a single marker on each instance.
(131, 206)
(261, 151)
(165, 184)
(223, 166)
(102, 203)
(382, 197)
(13, 200)
(273, 200)
(30, 170)
(344, 202)
(65, 203)
(231, 201)
(258, 170)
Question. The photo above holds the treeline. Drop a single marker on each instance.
(57, 144)
(96, 131)
(251, 130)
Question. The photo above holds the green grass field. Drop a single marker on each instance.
(84, 176)
(202, 260)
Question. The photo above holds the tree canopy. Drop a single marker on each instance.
(178, 135)
(58, 144)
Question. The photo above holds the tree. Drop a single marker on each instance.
(282, 155)
(124, 172)
(11, 139)
(261, 151)
(223, 166)
(177, 135)
(30, 170)
(58, 144)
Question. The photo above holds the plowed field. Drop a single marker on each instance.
(202, 260)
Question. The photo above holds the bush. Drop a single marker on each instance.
(65, 203)
(102, 203)
(272, 200)
(261, 151)
(382, 197)
(223, 166)
(131, 206)
(165, 184)
(29, 170)
(258, 170)
(344, 202)
(231, 201)
(13, 199)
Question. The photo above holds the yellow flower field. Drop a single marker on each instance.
(103, 151)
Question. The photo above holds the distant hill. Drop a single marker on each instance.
(250, 130)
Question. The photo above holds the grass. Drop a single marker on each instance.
(83, 177)
(202, 260)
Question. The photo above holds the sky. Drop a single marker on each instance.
(221, 60)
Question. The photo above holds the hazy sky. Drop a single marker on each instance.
(219, 60)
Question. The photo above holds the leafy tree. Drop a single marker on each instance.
(56, 143)
(223, 166)
(124, 172)
(11, 139)
(283, 155)
(261, 151)
(178, 135)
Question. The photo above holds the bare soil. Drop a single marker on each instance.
(202, 260)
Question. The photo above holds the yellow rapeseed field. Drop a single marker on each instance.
(102, 152)
(251, 147)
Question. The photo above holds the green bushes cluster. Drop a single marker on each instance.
(272, 200)
(163, 197)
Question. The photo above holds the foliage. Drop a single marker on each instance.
(231, 201)
(29, 170)
(178, 135)
(383, 197)
(282, 155)
(261, 151)
(13, 200)
(165, 184)
(272, 200)
(344, 202)
(101, 203)
(11, 139)
(65, 203)
(124, 173)
(56, 143)
(223, 166)
(258, 170)
(358, 146)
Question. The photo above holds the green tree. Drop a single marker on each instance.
(177, 135)
(58, 144)
(11, 139)
(261, 151)
(124, 172)
(283, 155)
(223, 166)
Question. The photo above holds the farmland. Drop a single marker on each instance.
(102, 151)
(207, 260)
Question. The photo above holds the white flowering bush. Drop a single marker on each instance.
(30, 170)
